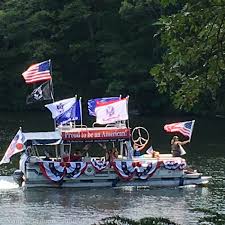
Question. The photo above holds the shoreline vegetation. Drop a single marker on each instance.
(214, 218)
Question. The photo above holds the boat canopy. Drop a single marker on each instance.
(43, 138)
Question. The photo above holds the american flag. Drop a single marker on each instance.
(38, 72)
(184, 128)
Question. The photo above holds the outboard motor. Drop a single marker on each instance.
(18, 177)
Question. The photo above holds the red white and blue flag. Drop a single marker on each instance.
(92, 103)
(16, 145)
(65, 110)
(111, 112)
(38, 72)
(184, 128)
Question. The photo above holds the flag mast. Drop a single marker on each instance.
(192, 127)
(51, 82)
(52, 89)
(81, 115)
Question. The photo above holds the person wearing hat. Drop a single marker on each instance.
(176, 146)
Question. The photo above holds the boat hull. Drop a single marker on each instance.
(160, 176)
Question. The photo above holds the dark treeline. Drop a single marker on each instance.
(98, 48)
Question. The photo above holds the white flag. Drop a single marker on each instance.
(15, 146)
(60, 107)
(150, 150)
(111, 112)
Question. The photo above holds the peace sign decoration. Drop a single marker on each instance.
(140, 138)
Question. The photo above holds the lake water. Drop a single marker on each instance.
(206, 153)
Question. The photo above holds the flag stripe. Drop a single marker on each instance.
(184, 128)
(37, 72)
(92, 103)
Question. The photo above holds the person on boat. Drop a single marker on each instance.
(137, 151)
(65, 157)
(47, 157)
(76, 156)
(108, 153)
(115, 153)
(176, 146)
(85, 149)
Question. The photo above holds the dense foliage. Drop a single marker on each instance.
(193, 67)
(107, 47)
(117, 220)
(98, 48)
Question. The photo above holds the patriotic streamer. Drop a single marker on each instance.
(147, 169)
(128, 169)
(99, 165)
(75, 169)
(56, 171)
(52, 170)
(175, 164)
(124, 169)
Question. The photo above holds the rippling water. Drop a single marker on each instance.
(69, 206)
(84, 207)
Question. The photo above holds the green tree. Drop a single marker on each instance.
(98, 48)
(193, 65)
(129, 49)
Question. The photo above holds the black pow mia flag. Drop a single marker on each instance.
(41, 93)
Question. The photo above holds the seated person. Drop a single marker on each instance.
(47, 157)
(65, 157)
(115, 153)
(137, 150)
(76, 156)
(137, 153)
(108, 155)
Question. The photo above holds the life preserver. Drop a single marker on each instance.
(90, 170)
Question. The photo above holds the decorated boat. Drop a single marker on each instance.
(82, 157)
(106, 154)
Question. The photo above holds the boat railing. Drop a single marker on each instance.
(118, 124)
(69, 127)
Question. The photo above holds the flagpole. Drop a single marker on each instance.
(192, 127)
(81, 115)
(52, 88)
(128, 124)
(51, 81)
(121, 122)
(74, 122)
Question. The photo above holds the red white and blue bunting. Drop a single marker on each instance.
(174, 164)
(75, 169)
(128, 169)
(99, 164)
(56, 171)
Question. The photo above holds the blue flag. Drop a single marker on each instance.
(92, 103)
(65, 110)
